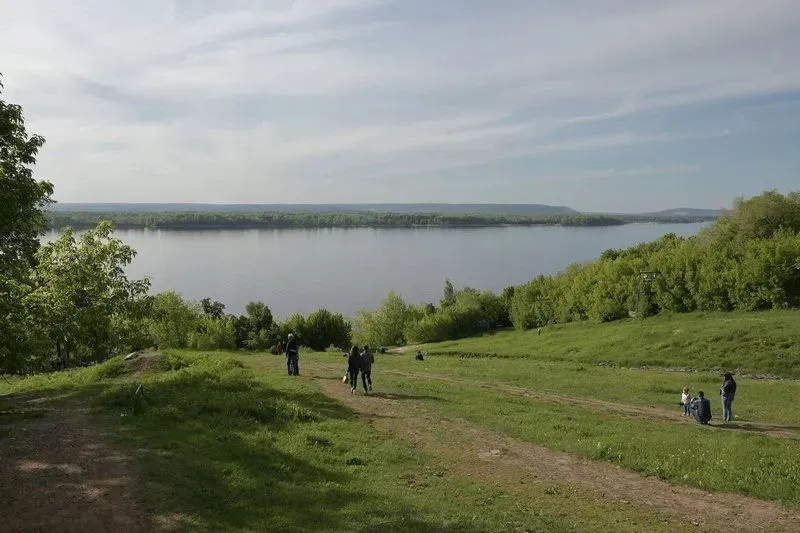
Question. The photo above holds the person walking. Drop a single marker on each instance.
(367, 358)
(727, 391)
(292, 356)
(353, 366)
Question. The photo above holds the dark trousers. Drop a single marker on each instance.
(353, 378)
(293, 365)
(366, 377)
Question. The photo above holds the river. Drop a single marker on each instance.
(346, 270)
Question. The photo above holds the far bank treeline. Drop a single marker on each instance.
(275, 220)
(82, 308)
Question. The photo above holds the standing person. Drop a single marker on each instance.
(686, 401)
(367, 358)
(292, 356)
(353, 366)
(727, 391)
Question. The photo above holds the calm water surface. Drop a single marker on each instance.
(350, 269)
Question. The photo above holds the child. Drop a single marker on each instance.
(353, 366)
(686, 401)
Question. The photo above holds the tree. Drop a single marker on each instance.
(215, 309)
(22, 199)
(324, 329)
(259, 331)
(81, 287)
(171, 320)
(448, 294)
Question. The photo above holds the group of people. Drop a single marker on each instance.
(700, 407)
(359, 361)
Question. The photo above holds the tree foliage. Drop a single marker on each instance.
(80, 289)
(22, 199)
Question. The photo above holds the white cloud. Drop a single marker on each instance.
(181, 100)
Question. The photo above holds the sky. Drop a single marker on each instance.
(614, 105)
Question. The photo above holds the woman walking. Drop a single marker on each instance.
(727, 391)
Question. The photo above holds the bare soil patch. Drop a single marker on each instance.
(58, 472)
(146, 362)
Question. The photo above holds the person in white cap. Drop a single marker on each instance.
(292, 356)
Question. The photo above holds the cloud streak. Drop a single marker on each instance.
(266, 101)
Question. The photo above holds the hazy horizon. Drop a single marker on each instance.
(615, 106)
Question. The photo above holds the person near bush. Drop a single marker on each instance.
(727, 392)
(367, 359)
(353, 366)
(292, 356)
(701, 409)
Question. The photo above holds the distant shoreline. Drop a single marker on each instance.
(187, 221)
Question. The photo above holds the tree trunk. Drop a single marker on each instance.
(59, 356)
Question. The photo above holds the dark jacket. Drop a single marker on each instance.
(291, 348)
(367, 358)
(353, 362)
(701, 408)
(728, 388)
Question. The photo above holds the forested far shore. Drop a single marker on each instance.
(276, 220)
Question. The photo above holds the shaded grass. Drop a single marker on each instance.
(753, 343)
(221, 449)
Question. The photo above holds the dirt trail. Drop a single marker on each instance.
(59, 473)
(611, 407)
(510, 462)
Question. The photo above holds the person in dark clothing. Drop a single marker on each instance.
(353, 366)
(701, 409)
(367, 358)
(419, 356)
(292, 356)
(727, 392)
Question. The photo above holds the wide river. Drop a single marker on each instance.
(346, 270)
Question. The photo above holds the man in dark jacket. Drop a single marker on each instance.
(292, 356)
(701, 409)
(366, 368)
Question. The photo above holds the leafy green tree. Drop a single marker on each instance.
(759, 217)
(22, 200)
(386, 326)
(261, 333)
(324, 329)
(81, 287)
(215, 309)
(171, 320)
(448, 294)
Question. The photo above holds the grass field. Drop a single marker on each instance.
(747, 343)
(227, 442)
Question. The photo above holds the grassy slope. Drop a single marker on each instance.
(752, 343)
(228, 450)
(224, 450)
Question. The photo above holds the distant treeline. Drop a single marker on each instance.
(200, 221)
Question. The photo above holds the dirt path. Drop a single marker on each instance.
(612, 407)
(510, 462)
(59, 473)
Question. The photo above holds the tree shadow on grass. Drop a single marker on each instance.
(211, 451)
